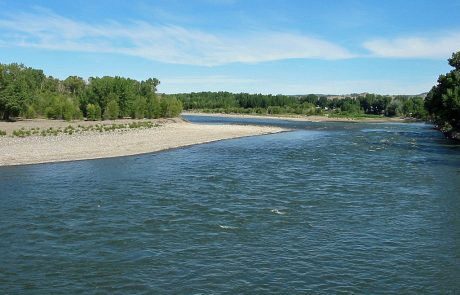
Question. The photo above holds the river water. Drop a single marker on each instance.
(326, 208)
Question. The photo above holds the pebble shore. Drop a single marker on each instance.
(93, 145)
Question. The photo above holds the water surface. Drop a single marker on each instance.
(327, 208)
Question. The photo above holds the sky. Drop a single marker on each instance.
(254, 46)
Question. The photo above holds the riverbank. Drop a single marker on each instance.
(307, 118)
(166, 134)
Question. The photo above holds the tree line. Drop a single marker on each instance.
(443, 100)
(29, 93)
(368, 104)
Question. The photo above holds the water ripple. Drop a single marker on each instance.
(328, 208)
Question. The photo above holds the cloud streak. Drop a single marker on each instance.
(415, 47)
(164, 43)
(179, 45)
(207, 80)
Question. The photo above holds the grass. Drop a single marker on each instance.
(69, 130)
(22, 133)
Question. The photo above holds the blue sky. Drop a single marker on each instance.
(255, 46)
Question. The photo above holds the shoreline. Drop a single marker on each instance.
(171, 134)
(300, 118)
(167, 134)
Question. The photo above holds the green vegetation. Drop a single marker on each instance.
(170, 107)
(80, 129)
(356, 106)
(2, 133)
(29, 93)
(112, 110)
(443, 101)
(93, 112)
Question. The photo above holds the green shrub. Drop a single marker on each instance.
(2, 133)
(30, 112)
(22, 133)
(274, 110)
(112, 110)
(78, 115)
(153, 107)
(98, 112)
(170, 107)
(53, 112)
(139, 108)
(69, 110)
(93, 112)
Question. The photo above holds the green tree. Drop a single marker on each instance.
(153, 107)
(18, 86)
(443, 101)
(322, 102)
(170, 107)
(311, 98)
(30, 112)
(74, 85)
(69, 110)
(28, 92)
(93, 112)
(139, 108)
(112, 110)
(394, 109)
(54, 108)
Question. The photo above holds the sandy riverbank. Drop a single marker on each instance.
(92, 145)
(305, 118)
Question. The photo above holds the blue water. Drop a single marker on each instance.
(326, 208)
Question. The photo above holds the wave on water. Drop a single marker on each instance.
(227, 227)
(276, 211)
(265, 214)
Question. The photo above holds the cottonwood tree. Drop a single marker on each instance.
(443, 100)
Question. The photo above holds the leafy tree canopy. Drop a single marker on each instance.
(443, 101)
(29, 93)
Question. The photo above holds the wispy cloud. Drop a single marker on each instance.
(440, 46)
(164, 43)
(177, 84)
(207, 80)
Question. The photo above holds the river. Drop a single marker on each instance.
(326, 208)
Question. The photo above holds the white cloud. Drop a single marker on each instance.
(169, 44)
(415, 47)
(208, 80)
(198, 83)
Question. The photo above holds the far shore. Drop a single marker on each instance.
(167, 134)
(306, 118)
